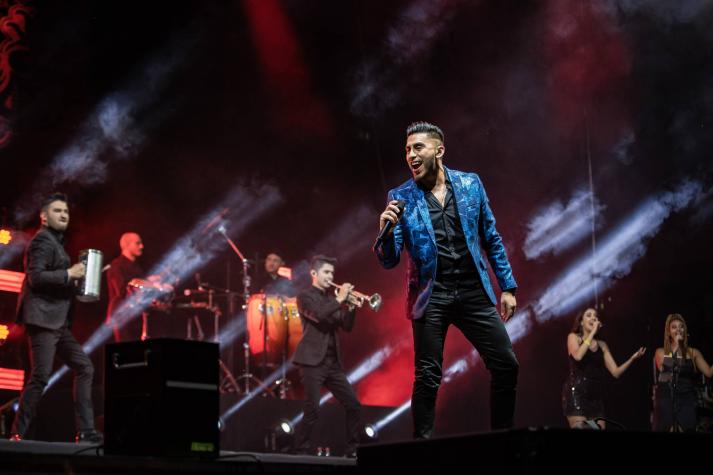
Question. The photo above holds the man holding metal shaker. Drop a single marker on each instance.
(44, 308)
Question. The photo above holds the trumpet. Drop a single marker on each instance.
(358, 299)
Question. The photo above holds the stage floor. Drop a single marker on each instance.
(29, 456)
(519, 451)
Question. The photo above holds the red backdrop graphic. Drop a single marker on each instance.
(13, 26)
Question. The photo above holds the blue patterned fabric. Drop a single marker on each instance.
(415, 232)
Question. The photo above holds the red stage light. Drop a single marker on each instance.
(11, 281)
(12, 379)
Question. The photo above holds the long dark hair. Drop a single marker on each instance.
(577, 326)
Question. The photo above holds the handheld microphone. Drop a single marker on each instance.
(400, 204)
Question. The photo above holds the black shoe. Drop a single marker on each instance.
(89, 437)
(351, 453)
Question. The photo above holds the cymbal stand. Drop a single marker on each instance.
(245, 376)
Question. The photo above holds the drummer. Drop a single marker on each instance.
(268, 280)
(121, 270)
(272, 299)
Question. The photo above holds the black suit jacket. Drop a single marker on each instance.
(321, 316)
(47, 292)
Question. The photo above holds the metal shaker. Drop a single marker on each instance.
(89, 287)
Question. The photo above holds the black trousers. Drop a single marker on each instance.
(329, 373)
(44, 344)
(465, 305)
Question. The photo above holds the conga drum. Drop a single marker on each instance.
(267, 324)
(294, 326)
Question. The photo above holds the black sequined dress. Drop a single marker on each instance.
(583, 392)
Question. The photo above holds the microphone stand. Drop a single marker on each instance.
(675, 370)
(246, 375)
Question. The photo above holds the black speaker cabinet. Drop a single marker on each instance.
(161, 398)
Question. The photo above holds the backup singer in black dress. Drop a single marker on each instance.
(675, 396)
(583, 392)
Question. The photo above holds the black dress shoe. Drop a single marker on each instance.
(89, 437)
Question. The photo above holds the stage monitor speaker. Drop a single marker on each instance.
(161, 398)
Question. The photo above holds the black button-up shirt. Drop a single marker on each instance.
(454, 258)
(120, 272)
(273, 285)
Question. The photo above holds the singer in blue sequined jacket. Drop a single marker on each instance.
(415, 231)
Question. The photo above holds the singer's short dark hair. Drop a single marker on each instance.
(432, 130)
(319, 260)
(51, 199)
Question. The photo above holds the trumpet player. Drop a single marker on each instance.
(323, 312)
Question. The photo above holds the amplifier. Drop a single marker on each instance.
(161, 398)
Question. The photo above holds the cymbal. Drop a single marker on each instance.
(147, 285)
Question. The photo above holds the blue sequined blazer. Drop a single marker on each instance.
(415, 231)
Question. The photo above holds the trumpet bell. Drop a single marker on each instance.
(375, 302)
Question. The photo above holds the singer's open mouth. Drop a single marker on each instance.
(415, 166)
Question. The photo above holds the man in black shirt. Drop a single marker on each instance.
(318, 352)
(121, 270)
(269, 282)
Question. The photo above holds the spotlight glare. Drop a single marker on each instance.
(279, 438)
(286, 427)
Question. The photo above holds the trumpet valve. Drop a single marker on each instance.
(375, 302)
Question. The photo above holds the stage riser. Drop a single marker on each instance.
(545, 451)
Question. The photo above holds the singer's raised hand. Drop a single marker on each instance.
(638, 353)
(391, 214)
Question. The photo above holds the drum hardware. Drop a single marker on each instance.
(357, 298)
(160, 295)
(247, 350)
(246, 376)
(274, 330)
(89, 286)
(228, 383)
